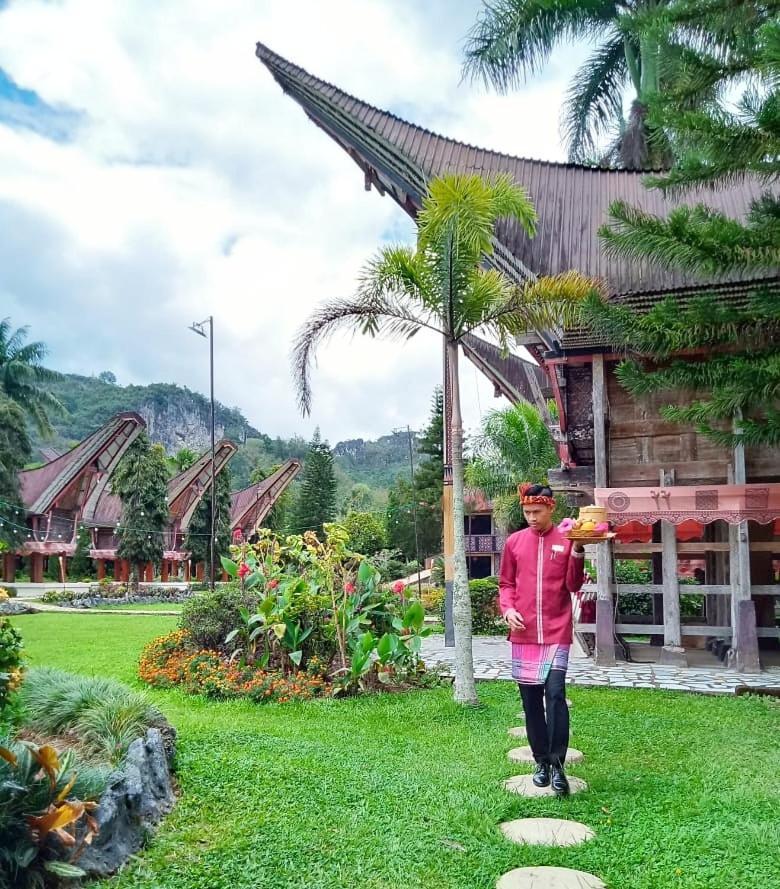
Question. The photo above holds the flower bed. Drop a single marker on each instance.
(303, 618)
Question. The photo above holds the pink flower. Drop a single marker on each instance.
(237, 536)
(398, 587)
(349, 587)
(243, 570)
(566, 525)
(273, 584)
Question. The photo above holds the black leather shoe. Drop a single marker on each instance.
(559, 781)
(541, 776)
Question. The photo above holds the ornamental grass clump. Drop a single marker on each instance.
(103, 714)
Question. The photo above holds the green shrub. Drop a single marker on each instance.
(10, 661)
(433, 601)
(106, 715)
(209, 617)
(35, 783)
(486, 617)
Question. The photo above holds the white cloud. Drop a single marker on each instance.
(191, 185)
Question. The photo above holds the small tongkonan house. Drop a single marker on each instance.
(678, 499)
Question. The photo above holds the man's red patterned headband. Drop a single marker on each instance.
(527, 498)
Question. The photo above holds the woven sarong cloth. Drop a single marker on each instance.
(532, 663)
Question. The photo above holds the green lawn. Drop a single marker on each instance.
(404, 791)
(152, 606)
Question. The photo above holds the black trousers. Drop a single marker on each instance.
(548, 734)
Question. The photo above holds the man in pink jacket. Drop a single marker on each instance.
(540, 568)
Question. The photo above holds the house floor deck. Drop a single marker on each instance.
(492, 661)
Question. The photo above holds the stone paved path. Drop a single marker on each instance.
(48, 608)
(525, 754)
(492, 661)
(522, 785)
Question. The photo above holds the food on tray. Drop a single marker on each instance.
(591, 523)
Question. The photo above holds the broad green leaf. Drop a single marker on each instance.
(253, 580)
(295, 657)
(63, 869)
(229, 567)
(279, 630)
(366, 571)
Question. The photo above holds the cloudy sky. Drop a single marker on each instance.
(153, 173)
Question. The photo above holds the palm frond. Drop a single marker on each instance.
(512, 39)
(594, 99)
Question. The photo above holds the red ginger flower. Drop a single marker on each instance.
(237, 536)
(273, 584)
(243, 570)
(349, 587)
(398, 587)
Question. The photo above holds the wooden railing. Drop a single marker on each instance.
(484, 543)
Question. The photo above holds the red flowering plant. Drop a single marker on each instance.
(308, 607)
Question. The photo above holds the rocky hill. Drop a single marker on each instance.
(176, 417)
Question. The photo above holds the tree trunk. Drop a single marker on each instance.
(465, 689)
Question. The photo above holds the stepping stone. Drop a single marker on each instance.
(518, 731)
(524, 786)
(524, 754)
(548, 878)
(546, 832)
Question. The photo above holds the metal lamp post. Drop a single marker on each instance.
(199, 327)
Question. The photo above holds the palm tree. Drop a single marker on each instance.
(512, 39)
(514, 446)
(444, 287)
(22, 376)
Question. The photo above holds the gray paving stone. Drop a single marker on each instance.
(522, 785)
(525, 754)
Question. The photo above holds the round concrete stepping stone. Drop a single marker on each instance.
(525, 754)
(524, 786)
(546, 832)
(518, 731)
(548, 878)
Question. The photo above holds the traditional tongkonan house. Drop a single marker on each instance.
(63, 494)
(185, 492)
(649, 473)
(250, 506)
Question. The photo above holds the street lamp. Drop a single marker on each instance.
(199, 327)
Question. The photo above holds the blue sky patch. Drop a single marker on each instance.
(25, 109)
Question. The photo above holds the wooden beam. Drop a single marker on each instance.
(743, 610)
(685, 589)
(672, 652)
(697, 549)
(687, 630)
(605, 617)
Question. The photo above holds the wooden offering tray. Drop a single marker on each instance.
(590, 536)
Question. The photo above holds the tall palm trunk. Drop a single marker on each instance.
(465, 689)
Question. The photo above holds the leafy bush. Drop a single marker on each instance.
(10, 661)
(43, 800)
(367, 533)
(209, 617)
(7, 592)
(486, 616)
(432, 600)
(106, 715)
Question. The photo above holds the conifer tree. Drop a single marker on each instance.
(15, 450)
(316, 503)
(197, 541)
(81, 565)
(730, 52)
(141, 481)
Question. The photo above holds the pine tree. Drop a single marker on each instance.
(730, 52)
(197, 541)
(81, 565)
(316, 502)
(141, 481)
(429, 480)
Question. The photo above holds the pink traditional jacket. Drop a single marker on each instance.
(539, 571)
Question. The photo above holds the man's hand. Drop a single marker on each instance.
(578, 547)
(514, 619)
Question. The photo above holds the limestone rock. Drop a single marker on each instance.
(524, 786)
(139, 794)
(525, 754)
(546, 832)
(548, 878)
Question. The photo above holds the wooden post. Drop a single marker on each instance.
(744, 641)
(148, 572)
(100, 565)
(36, 568)
(63, 568)
(199, 571)
(187, 570)
(164, 571)
(672, 652)
(9, 567)
(605, 613)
